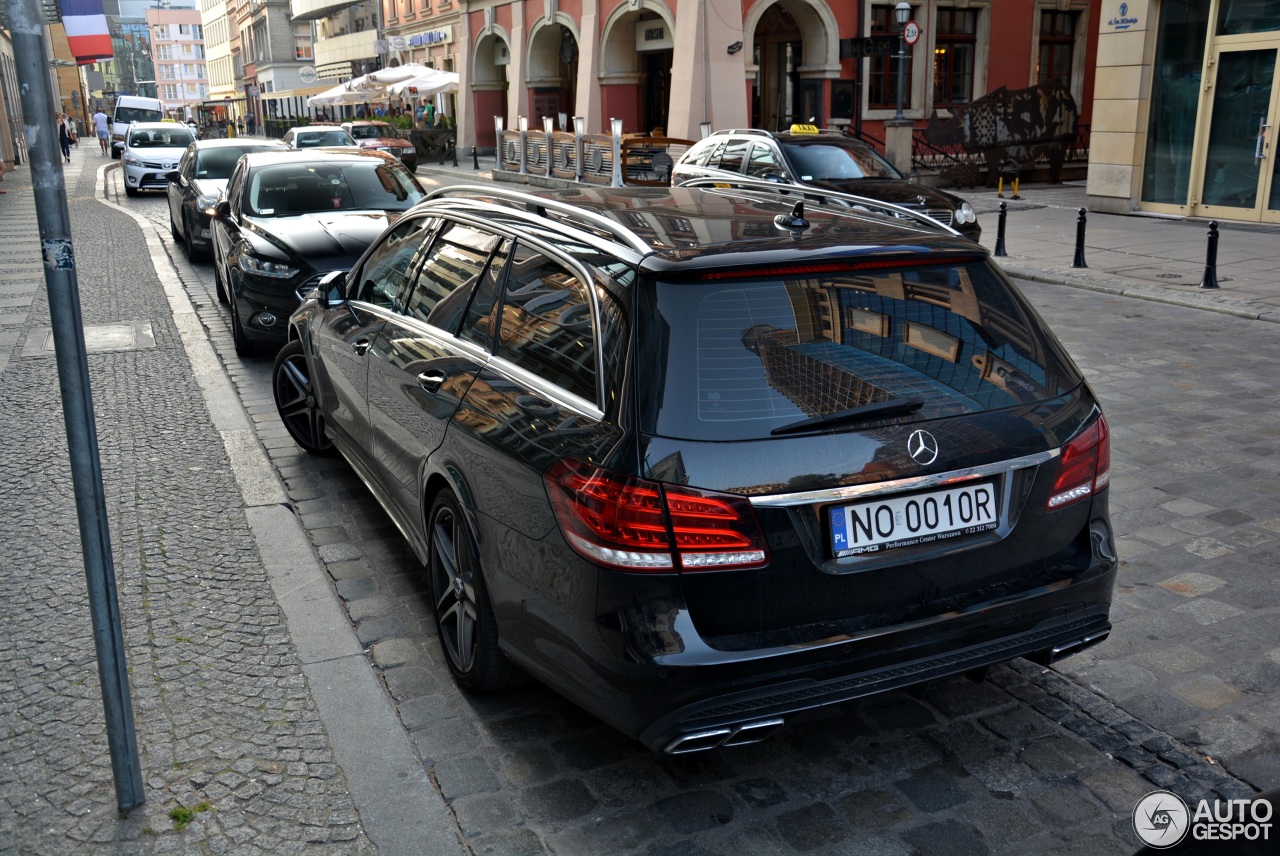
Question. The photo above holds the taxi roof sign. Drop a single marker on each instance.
(805, 129)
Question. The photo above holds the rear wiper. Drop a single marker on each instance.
(875, 410)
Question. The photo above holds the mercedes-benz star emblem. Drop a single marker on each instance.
(922, 447)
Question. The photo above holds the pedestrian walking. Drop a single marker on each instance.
(64, 136)
(100, 121)
(251, 123)
(239, 127)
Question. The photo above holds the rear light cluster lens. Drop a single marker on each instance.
(1085, 466)
(645, 526)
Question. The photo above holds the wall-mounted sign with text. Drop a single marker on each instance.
(1124, 20)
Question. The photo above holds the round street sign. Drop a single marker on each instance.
(307, 75)
(911, 33)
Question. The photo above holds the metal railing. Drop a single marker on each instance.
(611, 160)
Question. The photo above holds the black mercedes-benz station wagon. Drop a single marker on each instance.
(702, 459)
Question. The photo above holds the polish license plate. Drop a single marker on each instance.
(919, 518)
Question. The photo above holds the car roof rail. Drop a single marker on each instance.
(821, 197)
(755, 132)
(540, 205)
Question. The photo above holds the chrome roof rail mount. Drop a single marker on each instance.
(816, 195)
(540, 205)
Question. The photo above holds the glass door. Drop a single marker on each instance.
(1240, 181)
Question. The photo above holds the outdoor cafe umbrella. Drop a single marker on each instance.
(433, 82)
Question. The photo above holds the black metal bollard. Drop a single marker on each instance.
(1211, 260)
(1078, 262)
(1000, 230)
(475, 158)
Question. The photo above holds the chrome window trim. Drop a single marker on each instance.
(556, 394)
(840, 494)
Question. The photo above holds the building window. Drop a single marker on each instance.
(302, 41)
(882, 82)
(184, 29)
(953, 57)
(1057, 47)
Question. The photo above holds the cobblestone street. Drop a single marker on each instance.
(1029, 760)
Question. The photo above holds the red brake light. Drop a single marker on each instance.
(1085, 466)
(628, 523)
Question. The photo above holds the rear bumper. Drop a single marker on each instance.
(720, 720)
(679, 687)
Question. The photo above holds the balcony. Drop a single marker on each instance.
(310, 10)
(353, 46)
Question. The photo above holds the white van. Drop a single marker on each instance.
(132, 108)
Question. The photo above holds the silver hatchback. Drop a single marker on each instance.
(152, 151)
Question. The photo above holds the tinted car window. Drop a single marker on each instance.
(386, 273)
(730, 157)
(546, 323)
(372, 132)
(158, 138)
(762, 161)
(217, 163)
(279, 191)
(311, 139)
(828, 161)
(457, 259)
(756, 354)
(481, 320)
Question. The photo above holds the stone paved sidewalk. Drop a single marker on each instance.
(235, 758)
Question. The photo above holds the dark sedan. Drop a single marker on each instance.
(288, 218)
(194, 187)
(822, 160)
(382, 137)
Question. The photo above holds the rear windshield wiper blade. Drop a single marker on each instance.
(875, 410)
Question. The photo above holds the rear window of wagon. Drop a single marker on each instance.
(733, 359)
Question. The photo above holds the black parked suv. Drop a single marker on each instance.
(822, 160)
(701, 459)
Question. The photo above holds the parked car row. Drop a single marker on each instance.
(700, 458)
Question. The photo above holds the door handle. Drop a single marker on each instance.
(431, 381)
(360, 347)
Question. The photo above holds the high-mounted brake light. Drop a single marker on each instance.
(1085, 466)
(648, 527)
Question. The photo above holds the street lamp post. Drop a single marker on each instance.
(902, 14)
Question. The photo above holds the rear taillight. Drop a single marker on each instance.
(1085, 466)
(644, 526)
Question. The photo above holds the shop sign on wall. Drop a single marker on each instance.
(1124, 20)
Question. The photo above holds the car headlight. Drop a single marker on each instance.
(205, 204)
(130, 160)
(261, 267)
(381, 148)
(966, 214)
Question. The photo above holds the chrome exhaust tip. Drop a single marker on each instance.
(737, 735)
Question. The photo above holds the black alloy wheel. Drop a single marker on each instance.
(218, 284)
(193, 254)
(244, 347)
(296, 400)
(464, 617)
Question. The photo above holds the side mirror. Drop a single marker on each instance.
(332, 289)
(172, 176)
(223, 208)
(773, 176)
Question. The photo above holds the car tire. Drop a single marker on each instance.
(464, 617)
(173, 228)
(189, 244)
(296, 400)
(129, 191)
(218, 285)
(244, 347)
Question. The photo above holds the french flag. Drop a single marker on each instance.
(87, 33)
